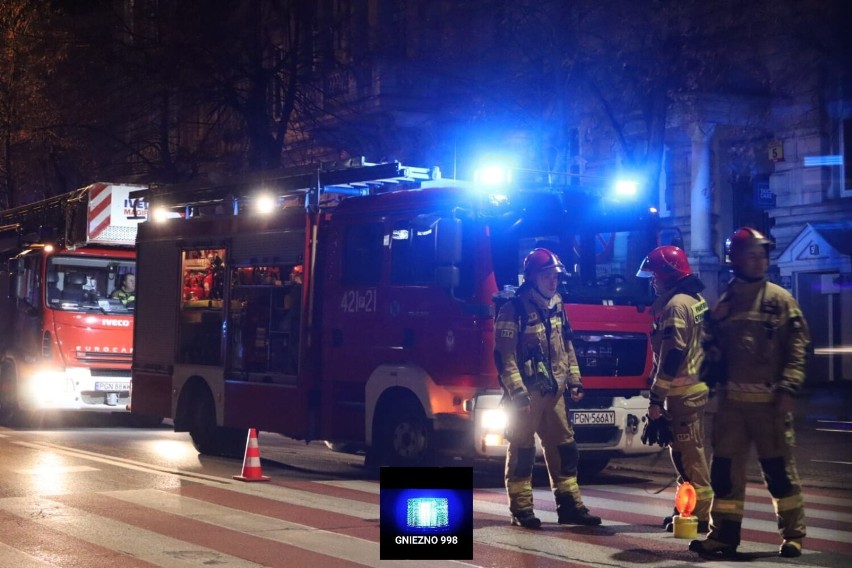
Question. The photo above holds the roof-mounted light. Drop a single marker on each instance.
(265, 203)
(626, 188)
(493, 174)
(161, 214)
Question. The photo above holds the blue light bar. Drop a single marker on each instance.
(428, 513)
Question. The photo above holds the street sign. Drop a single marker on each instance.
(764, 198)
(776, 151)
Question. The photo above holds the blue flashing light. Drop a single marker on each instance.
(493, 175)
(626, 188)
(428, 512)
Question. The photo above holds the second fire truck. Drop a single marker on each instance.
(358, 308)
(65, 344)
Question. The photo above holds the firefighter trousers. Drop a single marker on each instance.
(739, 425)
(686, 409)
(546, 417)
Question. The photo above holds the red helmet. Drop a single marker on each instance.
(541, 259)
(743, 238)
(667, 263)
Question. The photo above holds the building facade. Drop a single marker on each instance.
(767, 143)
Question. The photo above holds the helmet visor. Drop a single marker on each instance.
(644, 269)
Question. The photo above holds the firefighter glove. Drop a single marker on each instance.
(656, 432)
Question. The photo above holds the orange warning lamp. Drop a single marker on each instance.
(685, 499)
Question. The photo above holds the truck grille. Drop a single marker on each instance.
(113, 358)
(611, 354)
(116, 373)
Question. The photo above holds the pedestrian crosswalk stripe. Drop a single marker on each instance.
(139, 543)
(14, 557)
(205, 521)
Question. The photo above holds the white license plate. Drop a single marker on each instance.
(115, 387)
(593, 418)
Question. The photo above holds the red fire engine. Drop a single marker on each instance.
(64, 342)
(387, 342)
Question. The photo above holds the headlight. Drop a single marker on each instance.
(46, 381)
(494, 420)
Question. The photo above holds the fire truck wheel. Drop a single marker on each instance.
(407, 435)
(207, 437)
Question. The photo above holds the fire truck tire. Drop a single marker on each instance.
(207, 437)
(590, 467)
(407, 435)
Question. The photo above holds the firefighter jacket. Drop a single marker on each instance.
(538, 330)
(676, 340)
(124, 296)
(762, 338)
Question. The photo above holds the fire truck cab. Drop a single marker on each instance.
(66, 342)
(386, 340)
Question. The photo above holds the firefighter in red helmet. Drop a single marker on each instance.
(537, 364)
(757, 337)
(678, 353)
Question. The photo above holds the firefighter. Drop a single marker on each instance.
(678, 319)
(758, 336)
(127, 291)
(537, 364)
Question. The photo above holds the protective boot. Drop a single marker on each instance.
(570, 513)
(712, 547)
(526, 519)
(791, 548)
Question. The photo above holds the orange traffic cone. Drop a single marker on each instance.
(251, 461)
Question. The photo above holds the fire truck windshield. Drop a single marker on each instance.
(77, 283)
(597, 266)
(600, 252)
